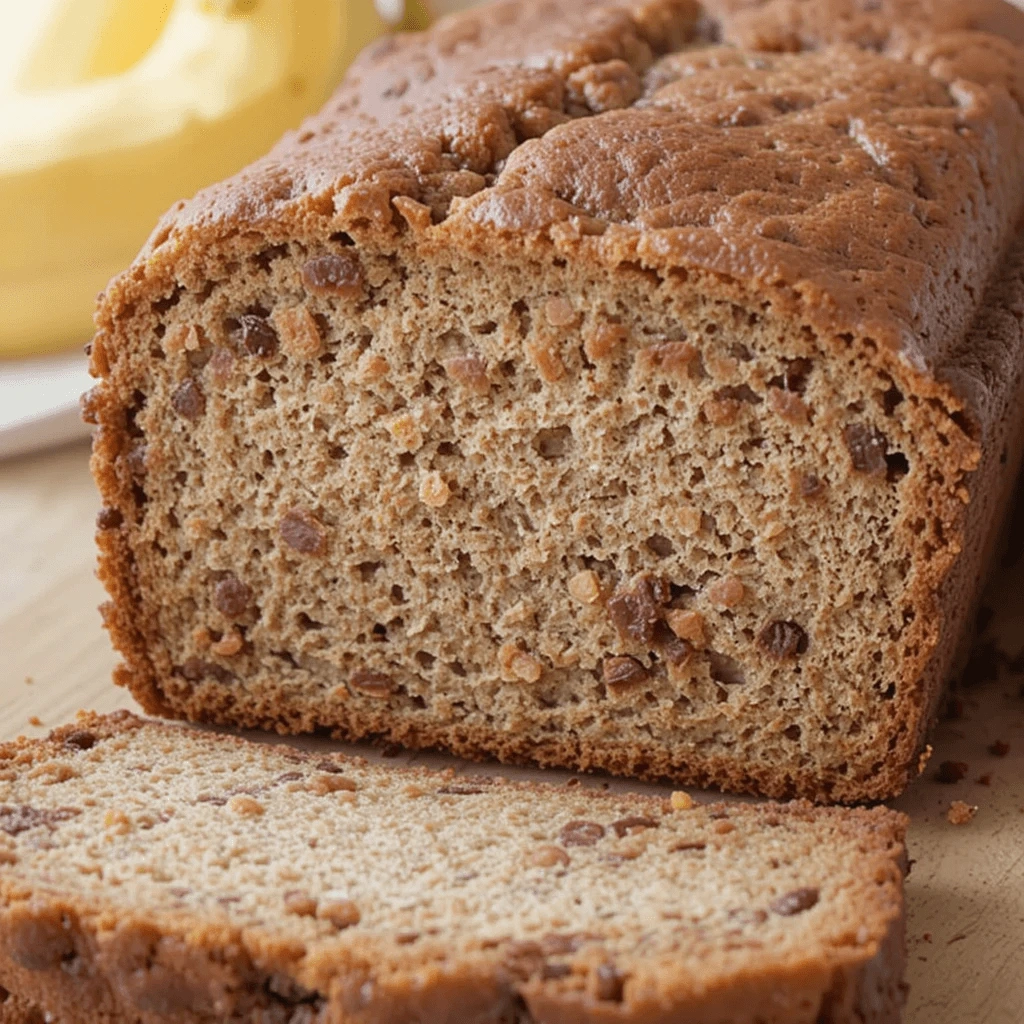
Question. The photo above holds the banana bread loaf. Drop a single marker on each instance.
(622, 385)
(161, 874)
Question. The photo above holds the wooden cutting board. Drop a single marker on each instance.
(966, 889)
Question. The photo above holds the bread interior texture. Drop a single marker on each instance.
(504, 505)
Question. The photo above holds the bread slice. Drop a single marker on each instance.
(158, 873)
(591, 384)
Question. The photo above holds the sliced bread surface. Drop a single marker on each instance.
(159, 873)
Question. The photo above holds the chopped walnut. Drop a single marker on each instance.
(406, 432)
(682, 801)
(635, 609)
(603, 341)
(622, 672)
(245, 806)
(228, 645)
(686, 624)
(548, 362)
(585, 587)
(727, 592)
(960, 813)
(299, 334)
(517, 665)
(434, 492)
(470, 371)
(559, 312)
(788, 405)
(672, 357)
(322, 785)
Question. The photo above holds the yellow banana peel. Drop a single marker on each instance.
(124, 106)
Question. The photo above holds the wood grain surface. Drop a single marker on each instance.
(966, 889)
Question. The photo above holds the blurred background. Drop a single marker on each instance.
(110, 110)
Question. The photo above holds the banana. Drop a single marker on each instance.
(124, 106)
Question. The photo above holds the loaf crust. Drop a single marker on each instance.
(396, 390)
(135, 891)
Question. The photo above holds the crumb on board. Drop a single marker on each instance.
(999, 749)
(985, 780)
(960, 813)
(29, 680)
(35, 720)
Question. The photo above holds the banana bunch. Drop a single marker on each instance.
(121, 107)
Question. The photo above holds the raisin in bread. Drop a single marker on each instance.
(622, 385)
(154, 872)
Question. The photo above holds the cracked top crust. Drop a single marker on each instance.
(854, 163)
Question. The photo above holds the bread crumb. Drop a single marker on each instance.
(29, 680)
(682, 801)
(35, 720)
(960, 813)
(999, 749)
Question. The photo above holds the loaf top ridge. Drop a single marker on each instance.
(855, 163)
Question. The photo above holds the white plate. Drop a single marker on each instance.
(39, 402)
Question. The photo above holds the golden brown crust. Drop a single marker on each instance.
(873, 217)
(74, 947)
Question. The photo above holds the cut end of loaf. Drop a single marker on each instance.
(525, 512)
(268, 883)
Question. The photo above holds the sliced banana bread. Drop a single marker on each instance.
(159, 873)
(622, 385)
